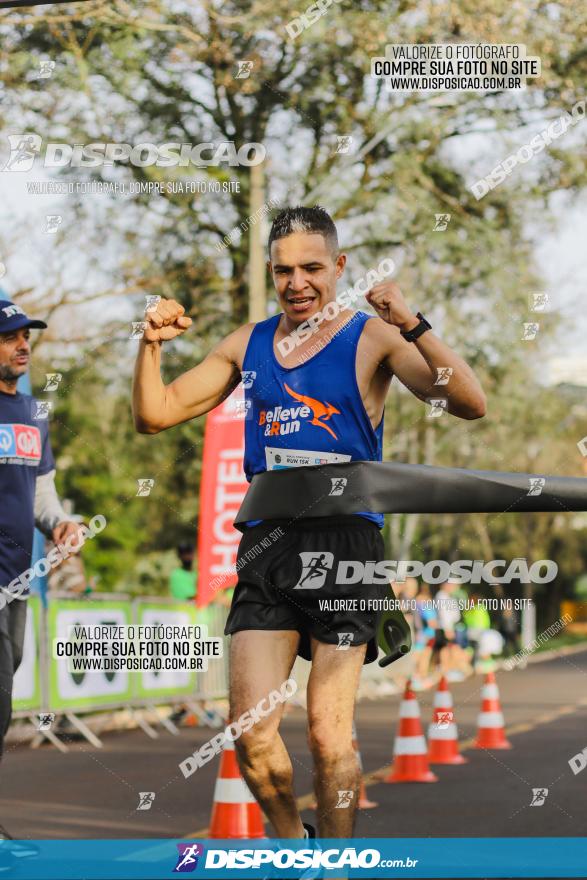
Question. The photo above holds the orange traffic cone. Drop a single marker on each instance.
(490, 723)
(409, 749)
(443, 738)
(236, 815)
(364, 802)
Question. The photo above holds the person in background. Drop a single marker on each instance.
(28, 498)
(454, 662)
(509, 629)
(477, 621)
(182, 580)
(426, 626)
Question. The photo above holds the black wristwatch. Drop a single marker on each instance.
(416, 332)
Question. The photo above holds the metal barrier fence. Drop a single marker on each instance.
(46, 686)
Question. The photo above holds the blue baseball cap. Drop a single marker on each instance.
(12, 317)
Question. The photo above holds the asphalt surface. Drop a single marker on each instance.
(94, 793)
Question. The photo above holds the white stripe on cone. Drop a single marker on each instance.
(409, 709)
(232, 791)
(490, 719)
(449, 732)
(490, 692)
(410, 745)
(442, 700)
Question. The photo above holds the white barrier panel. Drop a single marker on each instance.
(165, 682)
(85, 690)
(45, 682)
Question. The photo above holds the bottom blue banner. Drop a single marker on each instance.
(226, 859)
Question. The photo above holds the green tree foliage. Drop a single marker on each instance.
(165, 71)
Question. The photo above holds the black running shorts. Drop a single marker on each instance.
(291, 577)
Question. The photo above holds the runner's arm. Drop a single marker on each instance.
(157, 406)
(417, 364)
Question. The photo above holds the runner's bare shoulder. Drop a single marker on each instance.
(235, 344)
(379, 338)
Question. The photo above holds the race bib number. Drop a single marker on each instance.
(279, 459)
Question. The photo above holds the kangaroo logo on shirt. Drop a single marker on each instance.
(319, 410)
(282, 420)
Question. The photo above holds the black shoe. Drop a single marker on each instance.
(310, 873)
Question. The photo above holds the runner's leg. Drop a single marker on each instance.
(332, 689)
(260, 662)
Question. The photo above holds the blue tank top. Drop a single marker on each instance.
(310, 414)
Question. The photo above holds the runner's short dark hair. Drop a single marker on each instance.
(301, 219)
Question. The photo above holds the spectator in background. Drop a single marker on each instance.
(509, 629)
(426, 625)
(454, 662)
(477, 621)
(182, 580)
(28, 498)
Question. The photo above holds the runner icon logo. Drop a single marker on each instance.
(444, 720)
(46, 719)
(53, 380)
(539, 795)
(41, 409)
(344, 800)
(338, 485)
(146, 799)
(441, 222)
(536, 485)
(345, 641)
(145, 486)
(315, 567)
(248, 377)
(187, 859)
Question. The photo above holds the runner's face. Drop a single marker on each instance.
(304, 273)
(15, 353)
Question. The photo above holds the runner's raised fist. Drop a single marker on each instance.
(389, 303)
(165, 320)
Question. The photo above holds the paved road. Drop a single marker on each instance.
(93, 793)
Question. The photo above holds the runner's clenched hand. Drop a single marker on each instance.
(389, 303)
(165, 321)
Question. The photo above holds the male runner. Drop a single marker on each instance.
(28, 494)
(325, 398)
